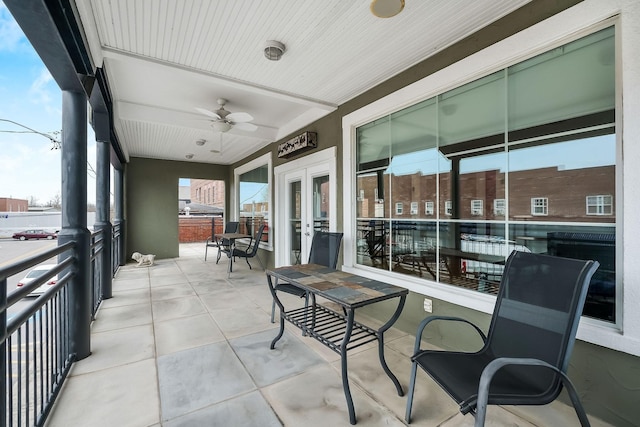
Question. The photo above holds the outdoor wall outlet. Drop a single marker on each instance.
(428, 305)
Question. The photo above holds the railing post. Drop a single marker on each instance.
(74, 218)
(103, 151)
(118, 183)
(3, 351)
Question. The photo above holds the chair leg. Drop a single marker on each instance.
(412, 386)
(206, 248)
(219, 255)
(247, 259)
(273, 311)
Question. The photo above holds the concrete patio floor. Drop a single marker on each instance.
(180, 344)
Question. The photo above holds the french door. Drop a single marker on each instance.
(306, 205)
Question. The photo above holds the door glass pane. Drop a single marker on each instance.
(321, 203)
(295, 217)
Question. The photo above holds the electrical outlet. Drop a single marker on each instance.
(428, 305)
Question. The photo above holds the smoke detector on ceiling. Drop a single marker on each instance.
(273, 50)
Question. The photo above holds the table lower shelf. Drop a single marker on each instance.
(329, 327)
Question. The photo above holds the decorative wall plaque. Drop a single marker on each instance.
(295, 145)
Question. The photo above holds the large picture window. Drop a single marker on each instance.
(531, 143)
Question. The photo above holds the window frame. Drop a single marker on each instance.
(578, 21)
(599, 205)
(544, 206)
(247, 167)
(500, 210)
(477, 211)
(413, 210)
(399, 208)
(429, 208)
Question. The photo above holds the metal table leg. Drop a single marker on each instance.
(381, 331)
(343, 359)
(280, 306)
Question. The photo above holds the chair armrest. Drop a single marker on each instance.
(430, 319)
(495, 365)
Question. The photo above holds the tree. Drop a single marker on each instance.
(56, 201)
(33, 201)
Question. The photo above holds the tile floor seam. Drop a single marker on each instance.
(155, 350)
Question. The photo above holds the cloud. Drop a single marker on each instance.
(11, 36)
(40, 92)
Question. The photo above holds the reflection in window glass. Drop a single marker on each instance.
(253, 192)
(599, 205)
(522, 159)
(539, 206)
(428, 207)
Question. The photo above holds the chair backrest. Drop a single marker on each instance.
(232, 227)
(256, 241)
(537, 312)
(325, 248)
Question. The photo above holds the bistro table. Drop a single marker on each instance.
(338, 331)
(231, 237)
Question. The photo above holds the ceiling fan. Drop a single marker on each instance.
(224, 120)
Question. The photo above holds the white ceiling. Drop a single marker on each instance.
(163, 58)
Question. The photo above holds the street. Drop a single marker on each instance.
(12, 251)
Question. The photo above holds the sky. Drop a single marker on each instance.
(29, 168)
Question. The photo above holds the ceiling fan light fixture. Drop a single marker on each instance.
(386, 8)
(273, 50)
(221, 126)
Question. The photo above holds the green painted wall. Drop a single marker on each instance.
(151, 211)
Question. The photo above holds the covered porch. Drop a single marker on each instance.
(180, 344)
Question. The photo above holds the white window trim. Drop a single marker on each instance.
(399, 208)
(448, 208)
(429, 207)
(477, 211)
(577, 21)
(414, 208)
(499, 210)
(599, 197)
(235, 196)
(534, 205)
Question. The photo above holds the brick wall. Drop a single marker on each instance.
(197, 229)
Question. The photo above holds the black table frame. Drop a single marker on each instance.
(338, 331)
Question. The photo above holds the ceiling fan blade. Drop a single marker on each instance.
(208, 113)
(239, 117)
(250, 127)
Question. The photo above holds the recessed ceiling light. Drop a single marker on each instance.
(189, 156)
(386, 8)
(201, 142)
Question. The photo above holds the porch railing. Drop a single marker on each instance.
(115, 248)
(35, 349)
(97, 246)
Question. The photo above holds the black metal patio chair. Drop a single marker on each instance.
(526, 352)
(221, 244)
(251, 251)
(325, 248)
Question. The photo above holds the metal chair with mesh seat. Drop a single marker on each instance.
(251, 251)
(526, 352)
(222, 244)
(325, 248)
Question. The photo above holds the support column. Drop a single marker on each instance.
(102, 129)
(74, 217)
(118, 183)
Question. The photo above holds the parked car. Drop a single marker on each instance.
(34, 274)
(35, 234)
